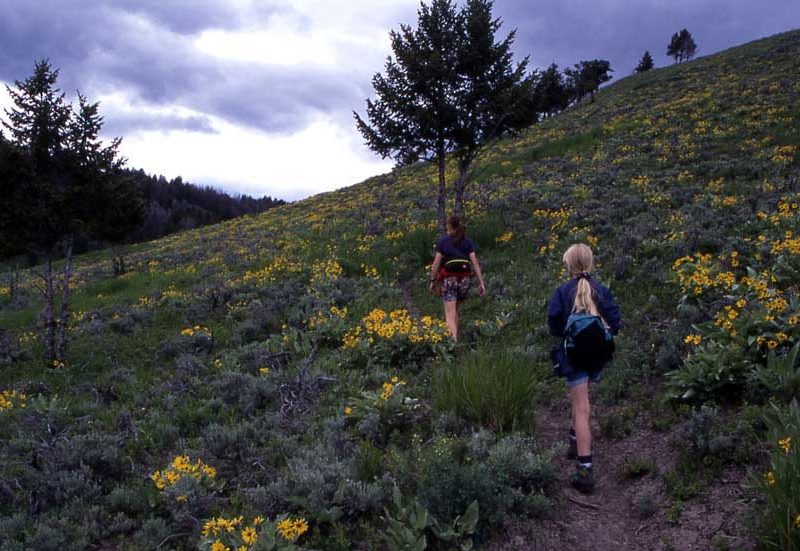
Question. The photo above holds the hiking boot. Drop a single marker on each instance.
(583, 479)
(572, 448)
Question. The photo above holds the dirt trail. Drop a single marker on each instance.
(408, 298)
(609, 518)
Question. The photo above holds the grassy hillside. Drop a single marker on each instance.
(293, 365)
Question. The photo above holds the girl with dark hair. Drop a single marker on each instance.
(453, 268)
(581, 294)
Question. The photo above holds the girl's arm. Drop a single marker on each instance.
(611, 311)
(555, 315)
(477, 268)
(437, 260)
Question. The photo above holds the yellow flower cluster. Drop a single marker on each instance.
(267, 274)
(504, 238)
(760, 285)
(558, 219)
(769, 478)
(698, 274)
(370, 271)
(777, 305)
(788, 208)
(221, 525)
(387, 325)
(328, 269)
(57, 364)
(693, 339)
(789, 245)
(321, 318)
(393, 235)
(364, 243)
(181, 467)
(290, 529)
(216, 526)
(785, 444)
(197, 329)
(389, 387)
(727, 201)
(10, 399)
(171, 292)
(784, 154)
(772, 344)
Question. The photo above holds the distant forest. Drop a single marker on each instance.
(175, 205)
(166, 206)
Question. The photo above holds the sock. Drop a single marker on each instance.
(585, 461)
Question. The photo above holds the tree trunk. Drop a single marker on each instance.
(117, 261)
(440, 204)
(13, 288)
(461, 185)
(6, 355)
(61, 346)
(49, 313)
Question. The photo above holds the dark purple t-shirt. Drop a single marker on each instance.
(450, 250)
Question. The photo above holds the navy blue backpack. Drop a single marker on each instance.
(588, 342)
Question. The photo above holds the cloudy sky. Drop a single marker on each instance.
(255, 96)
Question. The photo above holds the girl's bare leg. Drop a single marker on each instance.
(580, 417)
(451, 318)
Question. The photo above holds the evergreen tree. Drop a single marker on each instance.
(674, 47)
(495, 96)
(450, 88)
(413, 116)
(682, 46)
(688, 45)
(551, 91)
(62, 183)
(112, 203)
(39, 117)
(645, 64)
(587, 76)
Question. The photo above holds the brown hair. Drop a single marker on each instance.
(579, 261)
(458, 231)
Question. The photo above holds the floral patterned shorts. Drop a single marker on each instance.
(455, 288)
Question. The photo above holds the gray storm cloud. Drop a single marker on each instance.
(145, 49)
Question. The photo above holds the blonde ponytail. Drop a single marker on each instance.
(579, 261)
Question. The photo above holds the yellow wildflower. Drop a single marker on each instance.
(249, 535)
(785, 444)
(300, 526)
(769, 478)
(286, 529)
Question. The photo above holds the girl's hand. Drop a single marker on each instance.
(432, 286)
(482, 289)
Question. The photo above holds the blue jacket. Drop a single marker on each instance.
(560, 307)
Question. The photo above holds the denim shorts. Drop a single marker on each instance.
(455, 289)
(575, 378)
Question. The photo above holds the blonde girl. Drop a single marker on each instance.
(580, 294)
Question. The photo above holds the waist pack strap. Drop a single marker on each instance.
(444, 273)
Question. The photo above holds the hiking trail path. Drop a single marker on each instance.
(609, 518)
